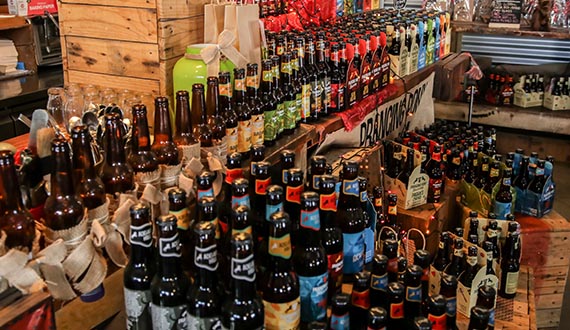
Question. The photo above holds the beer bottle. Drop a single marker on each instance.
(261, 180)
(139, 270)
(360, 301)
(312, 71)
(317, 168)
(471, 268)
(479, 318)
(227, 111)
(379, 281)
(233, 172)
(305, 81)
(448, 289)
(473, 234)
(217, 119)
(386, 63)
(523, 179)
(368, 234)
(392, 218)
(207, 213)
(244, 114)
(424, 156)
(163, 147)
(494, 177)
(290, 95)
(280, 288)
(297, 87)
(413, 283)
(433, 170)
(204, 182)
(394, 161)
(453, 171)
(278, 92)
(257, 155)
(178, 207)
(331, 234)
(63, 208)
(377, 318)
(142, 160)
(502, 205)
(390, 250)
(293, 192)
(202, 131)
(337, 83)
(242, 309)
(240, 222)
(376, 50)
(442, 257)
(366, 65)
(169, 285)
(88, 184)
(340, 316)
(378, 201)
(487, 298)
(436, 312)
(352, 94)
(456, 266)
(269, 105)
(422, 259)
(472, 166)
(408, 167)
(255, 104)
(117, 175)
(510, 267)
(204, 301)
(492, 236)
(402, 267)
(273, 203)
(323, 71)
(15, 220)
(310, 263)
(537, 183)
(481, 180)
(188, 145)
(396, 306)
(281, 172)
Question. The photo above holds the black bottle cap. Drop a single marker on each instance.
(493, 224)
(262, 168)
(448, 282)
(377, 317)
(205, 178)
(481, 314)
(402, 264)
(341, 301)
(437, 301)
(488, 246)
(458, 243)
(204, 231)
(295, 175)
(317, 326)
(422, 258)
(422, 323)
(389, 245)
(379, 264)
(327, 183)
(472, 251)
(513, 226)
(140, 210)
(176, 195)
(392, 198)
(486, 292)
(274, 194)
(396, 289)
(413, 272)
(234, 160)
(258, 152)
(309, 197)
(287, 155)
(473, 214)
(362, 281)
(240, 186)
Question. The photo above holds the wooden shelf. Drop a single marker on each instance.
(531, 119)
(482, 28)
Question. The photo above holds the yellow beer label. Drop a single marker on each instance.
(244, 136)
(257, 132)
(182, 218)
(240, 84)
(494, 172)
(284, 316)
(252, 81)
(392, 209)
(280, 246)
(268, 75)
(232, 139)
(226, 90)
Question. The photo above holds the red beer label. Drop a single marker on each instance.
(361, 299)
(438, 322)
(233, 174)
(261, 186)
(397, 311)
(293, 194)
(328, 202)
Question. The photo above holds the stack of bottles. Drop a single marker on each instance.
(557, 95)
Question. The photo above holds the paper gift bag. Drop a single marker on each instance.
(230, 21)
(213, 21)
(248, 32)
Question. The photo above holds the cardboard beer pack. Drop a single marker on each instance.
(524, 99)
(529, 202)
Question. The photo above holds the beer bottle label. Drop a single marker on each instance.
(225, 90)
(385, 71)
(232, 174)
(243, 269)
(244, 136)
(280, 246)
(137, 309)
(316, 182)
(379, 282)
(369, 241)
(327, 92)
(451, 306)
(363, 196)
(334, 96)
(350, 187)
(335, 265)
(310, 219)
(258, 126)
(502, 209)
(293, 194)
(142, 235)
(169, 247)
(282, 316)
(438, 322)
(284, 176)
(206, 258)
(270, 125)
(252, 81)
(377, 202)
(270, 209)
(205, 192)
(414, 294)
(492, 317)
(280, 117)
(397, 311)
(239, 84)
(240, 200)
(182, 218)
(316, 101)
(232, 140)
(168, 317)
(298, 105)
(353, 249)
(327, 202)
(290, 114)
(512, 282)
(361, 299)
(313, 297)
(261, 185)
(340, 322)
(306, 101)
(204, 323)
(435, 189)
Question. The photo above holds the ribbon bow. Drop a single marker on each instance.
(211, 53)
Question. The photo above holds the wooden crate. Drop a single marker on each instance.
(131, 44)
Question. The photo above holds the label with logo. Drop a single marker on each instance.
(290, 117)
(313, 297)
(225, 90)
(335, 266)
(240, 200)
(142, 235)
(252, 81)
(137, 309)
(392, 209)
(243, 269)
(316, 182)
(280, 117)
(310, 219)
(261, 185)
(414, 294)
(435, 188)
(293, 194)
(204, 323)
(350, 187)
(182, 218)
(377, 202)
(258, 126)
(512, 282)
(232, 139)
(327, 202)
(306, 101)
(282, 316)
(316, 96)
(268, 75)
(232, 174)
(270, 209)
(270, 125)
(502, 209)
(340, 322)
(244, 136)
(397, 311)
(353, 248)
(280, 246)
(451, 306)
(206, 258)
(298, 106)
(494, 172)
(169, 247)
(369, 244)
(438, 322)
(361, 299)
(167, 318)
(379, 282)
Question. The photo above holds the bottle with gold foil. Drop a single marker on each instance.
(228, 112)
(15, 220)
(177, 206)
(243, 111)
(255, 104)
(142, 160)
(188, 145)
(163, 146)
(117, 174)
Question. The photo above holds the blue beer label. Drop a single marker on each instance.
(203, 193)
(313, 297)
(350, 187)
(414, 294)
(316, 182)
(270, 209)
(451, 306)
(353, 249)
(502, 209)
(311, 220)
(363, 196)
(337, 190)
(243, 200)
(340, 322)
(379, 282)
(284, 176)
(369, 244)
(492, 317)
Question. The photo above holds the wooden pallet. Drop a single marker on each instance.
(131, 44)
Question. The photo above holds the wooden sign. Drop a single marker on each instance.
(506, 14)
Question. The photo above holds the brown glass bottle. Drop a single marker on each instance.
(63, 208)
(142, 159)
(269, 105)
(203, 131)
(278, 92)
(217, 120)
(188, 145)
(88, 184)
(255, 103)
(290, 95)
(243, 111)
(117, 174)
(163, 146)
(15, 220)
(228, 112)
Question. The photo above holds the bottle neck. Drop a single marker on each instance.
(243, 276)
(211, 103)
(286, 71)
(310, 227)
(225, 96)
(239, 91)
(141, 135)
(162, 128)
(183, 117)
(267, 82)
(84, 159)
(206, 265)
(349, 193)
(9, 188)
(114, 151)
